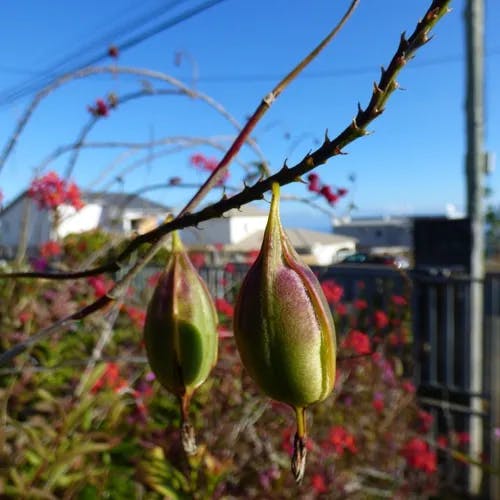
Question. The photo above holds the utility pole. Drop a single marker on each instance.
(475, 166)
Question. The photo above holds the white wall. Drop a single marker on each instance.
(242, 227)
(73, 221)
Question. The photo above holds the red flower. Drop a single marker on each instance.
(229, 268)
(419, 456)
(341, 309)
(136, 315)
(224, 307)
(251, 256)
(50, 191)
(341, 192)
(425, 419)
(286, 440)
(358, 341)
(318, 483)
(360, 304)
(153, 279)
(462, 438)
(198, 259)
(50, 249)
(110, 378)
(399, 300)
(378, 403)
(98, 284)
(442, 441)
(201, 162)
(332, 291)
(100, 108)
(408, 386)
(380, 319)
(341, 440)
(331, 197)
(314, 185)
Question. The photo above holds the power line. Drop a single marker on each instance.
(135, 40)
(44, 77)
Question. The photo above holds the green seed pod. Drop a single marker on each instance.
(180, 333)
(284, 329)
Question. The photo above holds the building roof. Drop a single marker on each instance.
(299, 238)
(127, 200)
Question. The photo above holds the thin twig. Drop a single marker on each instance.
(114, 70)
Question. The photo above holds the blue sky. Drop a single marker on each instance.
(412, 163)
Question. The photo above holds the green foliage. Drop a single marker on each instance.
(74, 429)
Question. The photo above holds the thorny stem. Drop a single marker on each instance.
(299, 446)
(188, 437)
(286, 175)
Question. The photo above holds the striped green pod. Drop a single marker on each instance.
(284, 329)
(180, 332)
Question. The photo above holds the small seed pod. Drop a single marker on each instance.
(180, 333)
(284, 329)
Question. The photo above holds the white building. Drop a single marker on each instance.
(241, 231)
(390, 235)
(117, 213)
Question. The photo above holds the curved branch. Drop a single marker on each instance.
(142, 72)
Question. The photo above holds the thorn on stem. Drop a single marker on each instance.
(299, 458)
(188, 438)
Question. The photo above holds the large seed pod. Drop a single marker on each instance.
(180, 333)
(284, 329)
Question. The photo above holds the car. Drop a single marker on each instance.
(386, 260)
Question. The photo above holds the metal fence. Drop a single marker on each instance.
(440, 365)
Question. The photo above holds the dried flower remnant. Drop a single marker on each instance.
(284, 330)
(180, 333)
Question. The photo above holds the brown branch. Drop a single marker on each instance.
(114, 70)
(286, 175)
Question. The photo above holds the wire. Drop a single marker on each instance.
(42, 77)
(135, 40)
